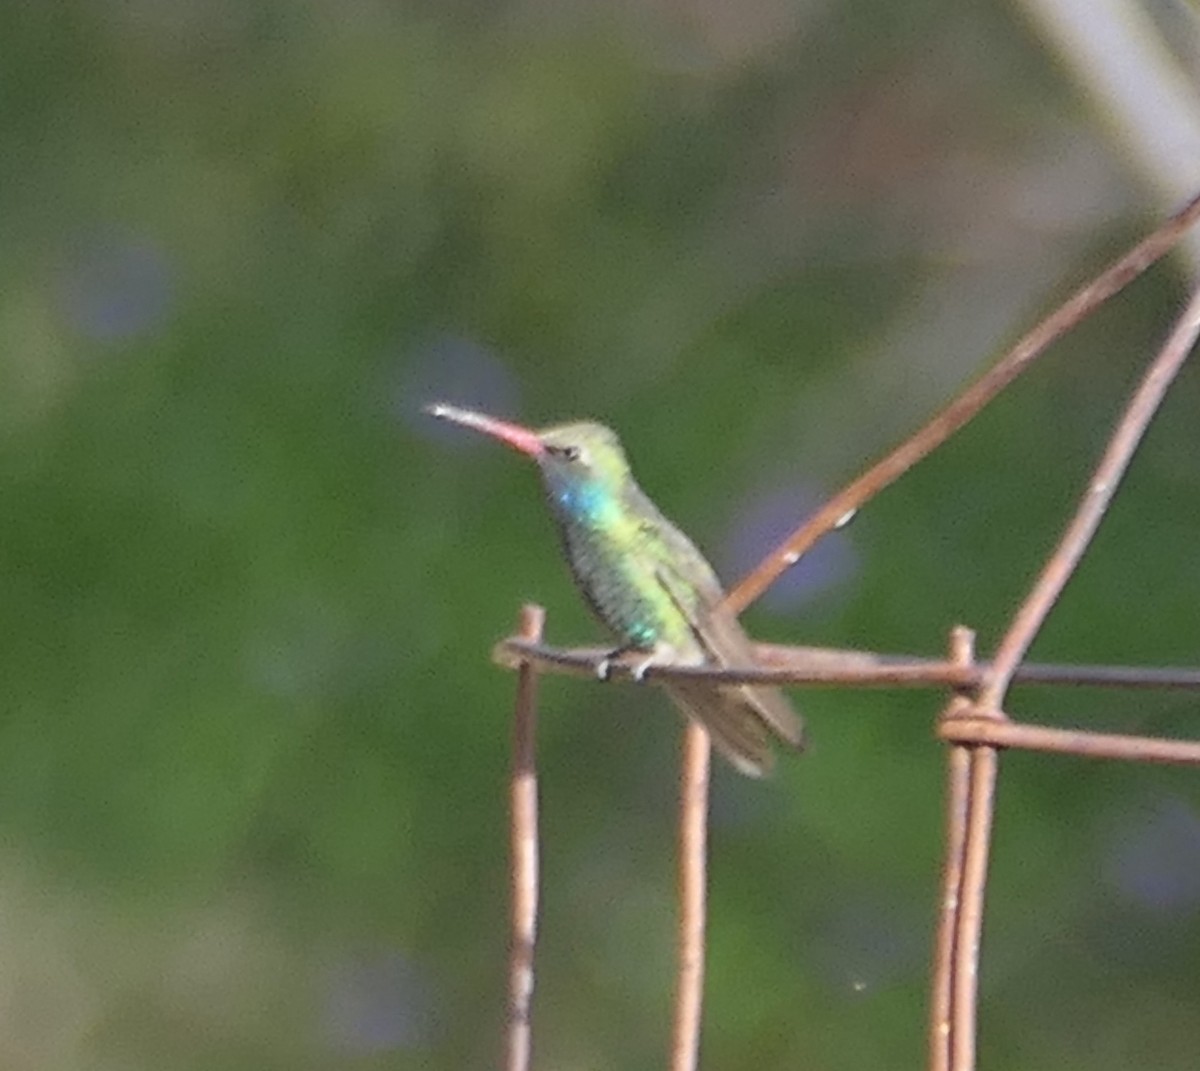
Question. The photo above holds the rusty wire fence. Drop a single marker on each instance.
(974, 724)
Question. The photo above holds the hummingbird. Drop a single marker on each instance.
(647, 583)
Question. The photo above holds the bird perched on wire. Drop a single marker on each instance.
(647, 582)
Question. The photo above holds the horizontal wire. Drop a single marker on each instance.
(838, 667)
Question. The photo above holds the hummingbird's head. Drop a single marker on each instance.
(582, 464)
(583, 452)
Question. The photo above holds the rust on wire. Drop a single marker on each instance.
(523, 803)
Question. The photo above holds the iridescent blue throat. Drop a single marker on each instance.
(584, 500)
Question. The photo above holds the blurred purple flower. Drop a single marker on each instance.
(116, 287)
(447, 368)
(1154, 857)
(379, 1003)
(761, 521)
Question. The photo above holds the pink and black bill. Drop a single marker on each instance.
(523, 439)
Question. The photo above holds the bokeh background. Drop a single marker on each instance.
(252, 750)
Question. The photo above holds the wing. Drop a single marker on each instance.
(689, 581)
(726, 644)
(673, 552)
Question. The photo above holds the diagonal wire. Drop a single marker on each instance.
(1016, 641)
(963, 408)
(1078, 536)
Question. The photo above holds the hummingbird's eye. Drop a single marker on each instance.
(567, 453)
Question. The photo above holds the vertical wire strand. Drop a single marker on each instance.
(523, 803)
(968, 937)
(693, 848)
(958, 775)
(958, 778)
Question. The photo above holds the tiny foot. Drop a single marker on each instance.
(638, 669)
(604, 668)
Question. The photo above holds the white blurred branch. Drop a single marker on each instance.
(1116, 53)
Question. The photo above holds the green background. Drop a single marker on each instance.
(253, 754)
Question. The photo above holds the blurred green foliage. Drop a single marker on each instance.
(252, 751)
